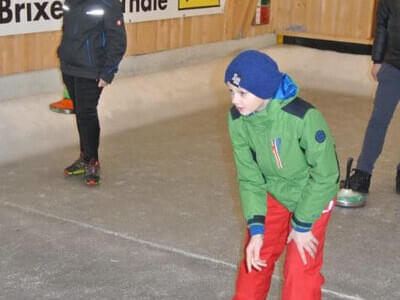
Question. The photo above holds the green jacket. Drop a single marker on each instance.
(285, 150)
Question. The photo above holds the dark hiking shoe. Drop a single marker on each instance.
(360, 181)
(77, 167)
(92, 172)
(398, 180)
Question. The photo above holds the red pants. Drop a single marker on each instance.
(301, 282)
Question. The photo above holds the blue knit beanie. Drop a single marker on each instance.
(255, 72)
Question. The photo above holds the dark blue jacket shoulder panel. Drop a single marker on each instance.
(234, 113)
(297, 107)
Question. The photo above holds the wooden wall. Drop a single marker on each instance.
(30, 52)
(338, 20)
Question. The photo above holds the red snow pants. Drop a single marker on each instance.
(301, 282)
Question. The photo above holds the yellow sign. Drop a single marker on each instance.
(191, 4)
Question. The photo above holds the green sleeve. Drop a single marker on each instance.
(323, 183)
(252, 186)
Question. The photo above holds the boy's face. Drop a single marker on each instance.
(244, 101)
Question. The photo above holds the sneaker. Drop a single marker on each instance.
(398, 180)
(77, 167)
(65, 106)
(360, 181)
(92, 172)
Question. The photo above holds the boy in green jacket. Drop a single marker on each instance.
(288, 178)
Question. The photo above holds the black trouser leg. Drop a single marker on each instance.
(85, 94)
(69, 82)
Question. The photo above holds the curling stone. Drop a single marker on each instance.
(346, 196)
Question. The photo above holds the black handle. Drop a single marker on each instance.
(348, 169)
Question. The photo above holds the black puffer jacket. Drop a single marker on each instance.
(387, 37)
(93, 40)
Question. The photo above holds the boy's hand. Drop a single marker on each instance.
(375, 70)
(304, 241)
(253, 253)
(102, 83)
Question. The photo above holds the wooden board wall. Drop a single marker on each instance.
(30, 52)
(338, 20)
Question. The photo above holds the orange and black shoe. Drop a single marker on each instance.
(65, 106)
(92, 172)
(76, 168)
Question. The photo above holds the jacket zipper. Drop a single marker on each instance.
(103, 39)
(76, 27)
(88, 52)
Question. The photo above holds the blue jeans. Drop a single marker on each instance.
(386, 99)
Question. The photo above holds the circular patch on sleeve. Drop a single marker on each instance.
(320, 136)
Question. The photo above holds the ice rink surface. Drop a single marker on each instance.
(166, 221)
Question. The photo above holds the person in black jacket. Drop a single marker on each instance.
(92, 46)
(386, 70)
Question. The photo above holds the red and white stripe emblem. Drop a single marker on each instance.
(276, 154)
